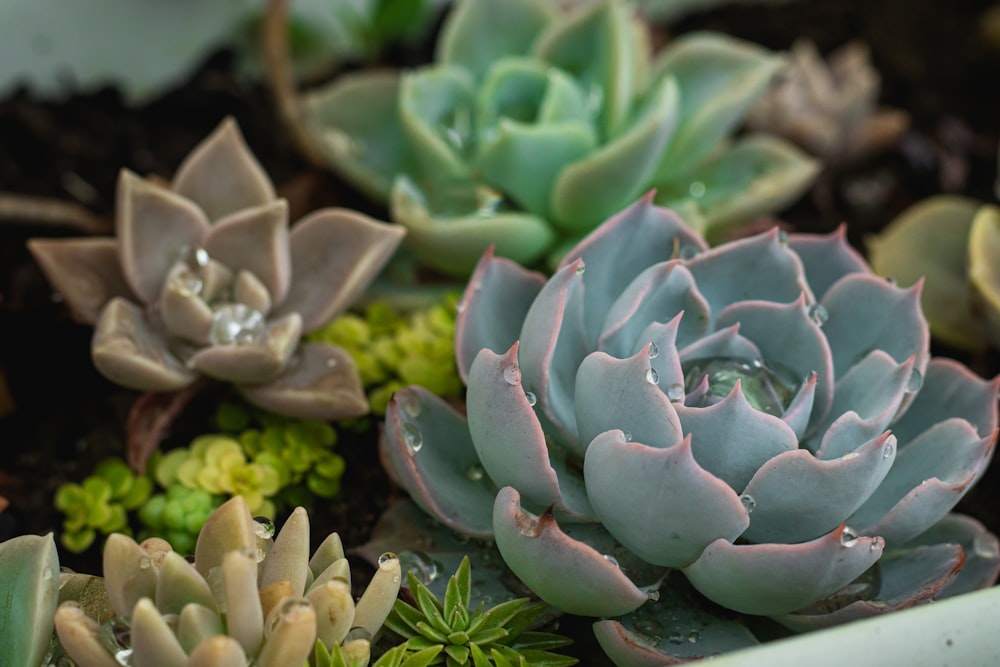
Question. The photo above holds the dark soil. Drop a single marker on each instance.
(60, 417)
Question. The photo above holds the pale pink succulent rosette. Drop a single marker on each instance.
(205, 278)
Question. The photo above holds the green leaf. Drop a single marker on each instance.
(29, 592)
(459, 654)
(404, 618)
(427, 630)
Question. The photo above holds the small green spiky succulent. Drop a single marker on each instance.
(464, 636)
(246, 599)
(100, 504)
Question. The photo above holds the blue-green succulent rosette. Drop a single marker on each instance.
(763, 417)
(535, 123)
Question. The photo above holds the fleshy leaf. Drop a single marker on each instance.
(719, 78)
(85, 271)
(435, 108)
(551, 563)
(600, 184)
(826, 258)
(798, 497)
(654, 515)
(255, 239)
(510, 440)
(930, 475)
(623, 247)
(981, 547)
(127, 351)
(335, 254)
(479, 32)
(355, 124)
(756, 176)
(426, 439)
(619, 394)
(493, 307)
(890, 320)
(770, 579)
(450, 238)
(732, 440)
(221, 175)
(253, 362)
(29, 593)
(155, 227)
(984, 245)
(320, 382)
(930, 241)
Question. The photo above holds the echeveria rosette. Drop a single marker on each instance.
(763, 417)
(536, 122)
(205, 278)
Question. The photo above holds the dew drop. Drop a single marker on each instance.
(653, 595)
(652, 377)
(890, 280)
(236, 323)
(985, 547)
(611, 559)
(531, 398)
(47, 574)
(654, 351)
(263, 527)
(387, 558)
(358, 632)
(818, 314)
(474, 472)
(889, 447)
(145, 563)
(694, 637)
(749, 504)
(915, 382)
(198, 257)
(412, 438)
(421, 565)
(675, 392)
(460, 306)
(409, 403)
(627, 435)
(675, 638)
(696, 189)
(186, 282)
(581, 267)
(876, 544)
(687, 251)
(782, 237)
(849, 537)
(512, 375)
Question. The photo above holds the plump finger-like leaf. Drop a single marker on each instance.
(654, 515)
(549, 562)
(770, 579)
(229, 528)
(221, 175)
(153, 642)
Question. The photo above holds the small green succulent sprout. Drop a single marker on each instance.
(246, 599)
(538, 119)
(100, 504)
(177, 515)
(463, 636)
(394, 350)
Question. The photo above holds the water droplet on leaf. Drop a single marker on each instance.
(818, 314)
(236, 323)
(889, 447)
(654, 351)
(675, 392)
(915, 382)
(652, 377)
(531, 398)
(849, 537)
(748, 502)
(512, 375)
(474, 472)
(412, 438)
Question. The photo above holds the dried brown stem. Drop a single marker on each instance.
(281, 78)
(27, 210)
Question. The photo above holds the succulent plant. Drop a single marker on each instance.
(29, 593)
(953, 243)
(763, 417)
(466, 636)
(245, 600)
(829, 108)
(537, 121)
(100, 504)
(393, 350)
(177, 515)
(205, 279)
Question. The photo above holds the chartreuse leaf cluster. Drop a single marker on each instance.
(393, 350)
(100, 504)
(451, 634)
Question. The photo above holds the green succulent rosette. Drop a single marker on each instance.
(100, 504)
(536, 122)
